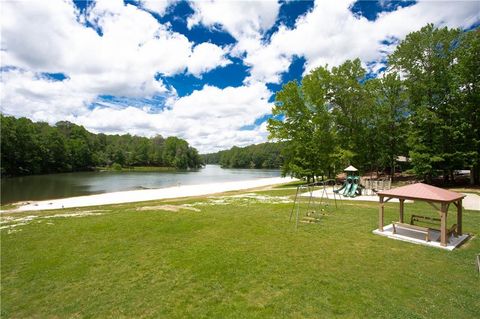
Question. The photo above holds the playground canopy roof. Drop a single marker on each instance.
(423, 192)
(350, 169)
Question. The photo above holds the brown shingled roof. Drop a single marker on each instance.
(422, 191)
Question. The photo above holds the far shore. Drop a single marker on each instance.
(146, 195)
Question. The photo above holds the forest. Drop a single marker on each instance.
(425, 107)
(36, 148)
(264, 155)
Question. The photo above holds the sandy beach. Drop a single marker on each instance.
(149, 194)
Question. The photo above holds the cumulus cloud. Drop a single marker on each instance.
(120, 53)
(158, 6)
(331, 33)
(123, 60)
(205, 57)
(211, 119)
(242, 19)
(26, 94)
(122, 50)
(247, 22)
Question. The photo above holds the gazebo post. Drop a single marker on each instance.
(380, 214)
(443, 227)
(402, 201)
(459, 217)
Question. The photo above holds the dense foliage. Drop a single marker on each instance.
(424, 107)
(265, 155)
(34, 148)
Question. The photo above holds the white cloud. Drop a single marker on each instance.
(133, 47)
(40, 99)
(123, 60)
(158, 6)
(242, 19)
(205, 57)
(29, 39)
(331, 34)
(247, 22)
(210, 119)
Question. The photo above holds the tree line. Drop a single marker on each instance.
(424, 107)
(264, 155)
(35, 148)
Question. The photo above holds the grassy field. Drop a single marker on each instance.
(229, 256)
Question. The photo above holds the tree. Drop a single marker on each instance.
(53, 149)
(33, 148)
(430, 60)
(467, 98)
(263, 155)
(176, 153)
(26, 150)
(387, 129)
(9, 142)
(302, 120)
(351, 110)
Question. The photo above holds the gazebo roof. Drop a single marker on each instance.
(423, 192)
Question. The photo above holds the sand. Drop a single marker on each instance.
(149, 194)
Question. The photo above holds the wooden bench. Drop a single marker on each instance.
(436, 221)
(414, 228)
(424, 219)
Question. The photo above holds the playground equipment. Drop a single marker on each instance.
(351, 187)
(372, 186)
(313, 206)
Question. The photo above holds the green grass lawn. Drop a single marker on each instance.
(238, 257)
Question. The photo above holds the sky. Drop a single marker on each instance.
(205, 71)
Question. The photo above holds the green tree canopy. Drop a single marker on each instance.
(303, 122)
(33, 148)
(425, 106)
(442, 95)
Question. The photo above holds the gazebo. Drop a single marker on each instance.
(440, 199)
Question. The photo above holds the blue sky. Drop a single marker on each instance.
(206, 71)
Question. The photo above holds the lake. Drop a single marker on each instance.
(50, 186)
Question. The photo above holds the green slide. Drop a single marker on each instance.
(355, 187)
(353, 190)
(347, 189)
(341, 188)
(350, 186)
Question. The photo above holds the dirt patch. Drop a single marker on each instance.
(169, 208)
(10, 222)
(244, 200)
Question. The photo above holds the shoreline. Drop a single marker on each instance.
(147, 194)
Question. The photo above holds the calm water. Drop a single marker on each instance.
(85, 183)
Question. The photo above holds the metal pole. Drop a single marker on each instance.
(294, 204)
(296, 219)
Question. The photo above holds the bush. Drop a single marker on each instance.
(116, 167)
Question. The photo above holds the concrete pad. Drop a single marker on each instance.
(471, 202)
(419, 239)
(368, 198)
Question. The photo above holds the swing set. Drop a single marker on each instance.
(310, 206)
